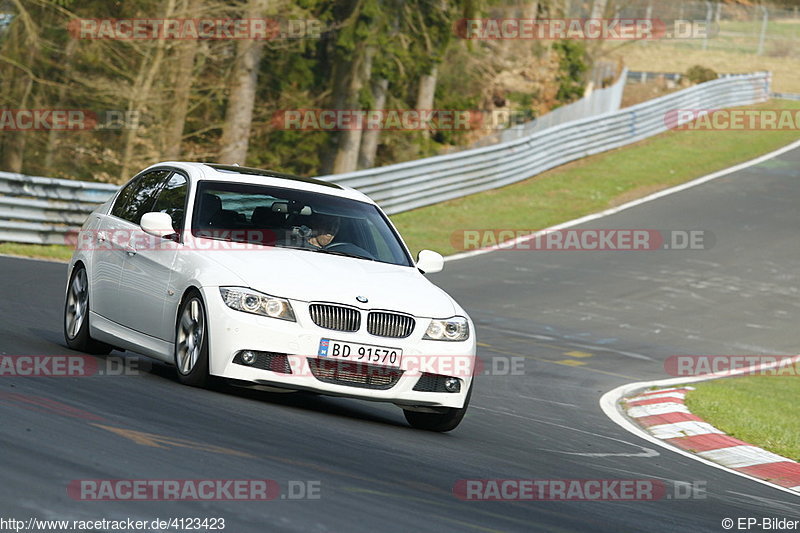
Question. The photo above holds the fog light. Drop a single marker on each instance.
(248, 357)
(452, 384)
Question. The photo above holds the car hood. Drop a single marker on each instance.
(310, 276)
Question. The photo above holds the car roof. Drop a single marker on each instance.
(238, 174)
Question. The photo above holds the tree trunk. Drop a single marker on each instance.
(599, 8)
(349, 140)
(14, 145)
(426, 92)
(53, 134)
(370, 138)
(239, 113)
(173, 132)
(140, 96)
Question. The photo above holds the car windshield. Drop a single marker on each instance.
(291, 218)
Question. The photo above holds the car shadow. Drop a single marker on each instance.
(310, 401)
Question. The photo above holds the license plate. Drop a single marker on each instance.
(360, 353)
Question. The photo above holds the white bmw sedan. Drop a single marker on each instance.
(270, 281)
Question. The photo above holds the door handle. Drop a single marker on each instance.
(102, 236)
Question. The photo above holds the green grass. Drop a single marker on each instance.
(591, 184)
(776, 29)
(39, 251)
(760, 410)
(679, 56)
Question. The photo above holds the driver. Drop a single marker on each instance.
(323, 230)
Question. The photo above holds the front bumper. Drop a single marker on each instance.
(230, 331)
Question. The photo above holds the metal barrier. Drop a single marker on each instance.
(605, 100)
(644, 77)
(786, 96)
(42, 210)
(422, 182)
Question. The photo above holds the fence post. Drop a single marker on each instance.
(649, 16)
(763, 35)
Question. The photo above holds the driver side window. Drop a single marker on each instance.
(138, 197)
(172, 200)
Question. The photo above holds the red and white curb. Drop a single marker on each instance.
(663, 413)
(670, 425)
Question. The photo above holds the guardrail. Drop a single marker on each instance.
(605, 100)
(643, 77)
(422, 182)
(786, 96)
(42, 210)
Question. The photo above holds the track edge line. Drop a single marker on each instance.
(649, 198)
(609, 403)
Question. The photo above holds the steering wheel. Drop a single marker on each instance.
(349, 248)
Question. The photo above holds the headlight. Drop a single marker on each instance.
(450, 329)
(257, 303)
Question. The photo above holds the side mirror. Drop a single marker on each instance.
(157, 224)
(430, 262)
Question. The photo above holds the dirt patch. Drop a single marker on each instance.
(636, 93)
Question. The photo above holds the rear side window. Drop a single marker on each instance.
(172, 200)
(138, 197)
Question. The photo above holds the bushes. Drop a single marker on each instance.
(700, 74)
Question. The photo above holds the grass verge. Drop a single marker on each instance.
(679, 57)
(760, 410)
(55, 252)
(592, 184)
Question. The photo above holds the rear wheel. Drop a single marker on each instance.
(191, 342)
(76, 316)
(447, 420)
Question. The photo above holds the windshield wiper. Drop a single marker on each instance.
(324, 251)
(336, 252)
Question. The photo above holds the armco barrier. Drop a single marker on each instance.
(42, 210)
(422, 182)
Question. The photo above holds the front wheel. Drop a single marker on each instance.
(191, 343)
(447, 420)
(76, 316)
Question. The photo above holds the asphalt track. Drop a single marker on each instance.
(628, 311)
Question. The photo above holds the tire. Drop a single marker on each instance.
(191, 342)
(76, 316)
(441, 422)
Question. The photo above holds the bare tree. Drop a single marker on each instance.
(349, 140)
(140, 94)
(599, 8)
(371, 137)
(426, 92)
(182, 83)
(239, 113)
